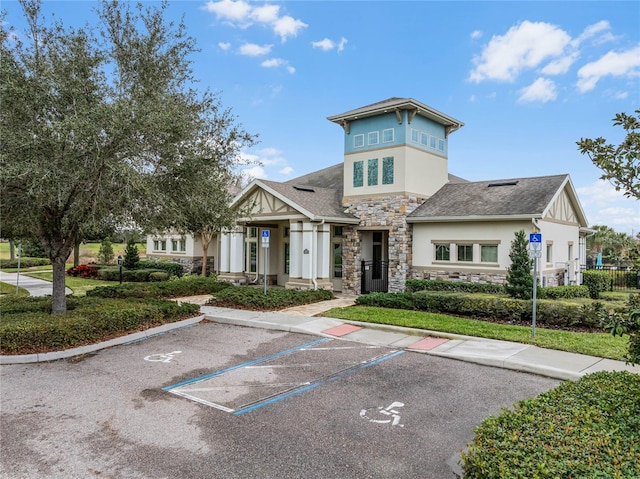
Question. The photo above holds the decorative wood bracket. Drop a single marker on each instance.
(399, 115)
(412, 114)
(346, 126)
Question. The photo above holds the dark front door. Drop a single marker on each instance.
(374, 277)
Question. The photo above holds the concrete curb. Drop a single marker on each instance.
(90, 348)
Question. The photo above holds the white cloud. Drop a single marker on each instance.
(560, 65)
(288, 27)
(224, 46)
(244, 14)
(476, 34)
(256, 172)
(286, 171)
(278, 62)
(622, 64)
(236, 12)
(604, 205)
(542, 90)
(525, 46)
(327, 44)
(253, 50)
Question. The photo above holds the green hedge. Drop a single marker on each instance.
(24, 263)
(597, 281)
(584, 429)
(549, 312)
(245, 297)
(91, 320)
(562, 292)
(414, 285)
(173, 269)
(185, 286)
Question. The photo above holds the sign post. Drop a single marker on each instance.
(535, 251)
(265, 250)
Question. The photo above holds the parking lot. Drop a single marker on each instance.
(221, 401)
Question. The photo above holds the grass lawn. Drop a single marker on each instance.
(6, 288)
(594, 344)
(79, 286)
(87, 250)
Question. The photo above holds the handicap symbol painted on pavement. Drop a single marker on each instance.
(382, 415)
(162, 358)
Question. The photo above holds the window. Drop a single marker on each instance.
(443, 252)
(337, 260)
(372, 172)
(183, 245)
(174, 245)
(414, 135)
(424, 138)
(570, 252)
(441, 145)
(374, 138)
(358, 173)
(163, 245)
(252, 232)
(287, 231)
(287, 258)
(387, 135)
(432, 141)
(489, 253)
(358, 141)
(253, 257)
(465, 252)
(549, 252)
(387, 170)
(337, 231)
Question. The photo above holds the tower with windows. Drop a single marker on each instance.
(395, 157)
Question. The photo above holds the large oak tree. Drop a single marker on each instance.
(106, 124)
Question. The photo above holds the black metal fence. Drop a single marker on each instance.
(375, 277)
(621, 277)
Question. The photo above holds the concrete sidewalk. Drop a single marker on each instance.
(35, 286)
(503, 354)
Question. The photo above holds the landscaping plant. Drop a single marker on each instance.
(519, 280)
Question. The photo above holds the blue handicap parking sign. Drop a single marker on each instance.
(535, 238)
(265, 233)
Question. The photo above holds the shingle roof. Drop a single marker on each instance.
(510, 197)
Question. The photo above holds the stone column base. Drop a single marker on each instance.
(307, 284)
(235, 278)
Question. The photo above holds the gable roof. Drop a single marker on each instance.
(513, 198)
(397, 104)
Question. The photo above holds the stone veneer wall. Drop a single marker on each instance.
(189, 263)
(379, 213)
(553, 278)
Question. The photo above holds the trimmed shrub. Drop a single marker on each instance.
(597, 281)
(519, 280)
(159, 276)
(588, 428)
(131, 255)
(185, 286)
(414, 285)
(105, 255)
(25, 262)
(12, 304)
(173, 269)
(90, 321)
(549, 312)
(562, 292)
(244, 297)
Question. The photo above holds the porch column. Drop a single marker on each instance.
(236, 250)
(295, 249)
(323, 256)
(308, 250)
(225, 252)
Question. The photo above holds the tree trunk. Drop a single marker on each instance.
(206, 239)
(59, 298)
(76, 255)
(12, 250)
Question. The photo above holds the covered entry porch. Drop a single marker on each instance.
(283, 241)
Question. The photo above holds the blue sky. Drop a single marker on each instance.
(528, 79)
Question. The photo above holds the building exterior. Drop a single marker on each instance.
(390, 211)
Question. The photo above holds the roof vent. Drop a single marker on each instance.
(304, 188)
(504, 183)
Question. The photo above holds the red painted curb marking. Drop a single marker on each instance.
(427, 344)
(342, 330)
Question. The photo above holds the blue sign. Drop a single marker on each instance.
(535, 238)
(265, 233)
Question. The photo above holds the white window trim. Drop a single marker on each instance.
(393, 135)
(373, 134)
(355, 141)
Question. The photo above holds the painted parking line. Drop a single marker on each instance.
(258, 383)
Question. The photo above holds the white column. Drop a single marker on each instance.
(308, 249)
(225, 252)
(295, 249)
(323, 256)
(236, 250)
